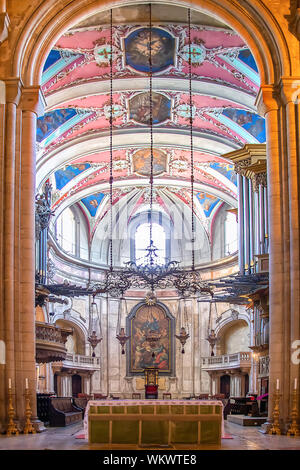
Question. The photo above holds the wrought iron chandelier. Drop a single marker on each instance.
(151, 273)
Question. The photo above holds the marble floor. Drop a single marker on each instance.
(243, 438)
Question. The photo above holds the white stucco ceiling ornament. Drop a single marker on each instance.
(116, 109)
(119, 165)
(55, 196)
(102, 54)
(179, 165)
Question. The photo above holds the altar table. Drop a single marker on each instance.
(154, 422)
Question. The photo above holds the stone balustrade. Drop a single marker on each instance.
(81, 362)
(227, 361)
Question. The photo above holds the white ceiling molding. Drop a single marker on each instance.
(200, 87)
(87, 145)
(104, 186)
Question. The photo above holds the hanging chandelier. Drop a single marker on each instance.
(211, 335)
(183, 323)
(151, 273)
(93, 338)
(121, 335)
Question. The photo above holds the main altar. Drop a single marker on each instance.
(154, 422)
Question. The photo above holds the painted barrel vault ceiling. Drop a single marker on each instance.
(73, 134)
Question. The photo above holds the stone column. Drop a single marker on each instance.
(7, 327)
(269, 107)
(30, 103)
(290, 99)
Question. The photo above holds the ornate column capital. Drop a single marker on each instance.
(267, 99)
(13, 90)
(259, 179)
(32, 99)
(289, 89)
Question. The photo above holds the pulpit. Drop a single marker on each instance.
(151, 383)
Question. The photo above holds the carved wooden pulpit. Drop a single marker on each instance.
(151, 382)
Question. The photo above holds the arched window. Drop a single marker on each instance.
(231, 238)
(142, 241)
(66, 231)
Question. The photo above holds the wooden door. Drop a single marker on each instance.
(76, 385)
(225, 385)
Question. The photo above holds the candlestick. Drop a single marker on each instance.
(28, 424)
(11, 428)
(275, 428)
(294, 426)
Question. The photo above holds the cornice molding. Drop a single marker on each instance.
(251, 162)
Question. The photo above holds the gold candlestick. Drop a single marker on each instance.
(275, 428)
(294, 426)
(28, 424)
(11, 428)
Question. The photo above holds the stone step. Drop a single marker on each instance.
(246, 420)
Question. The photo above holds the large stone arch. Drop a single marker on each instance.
(42, 26)
(228, 321)
(30, 39)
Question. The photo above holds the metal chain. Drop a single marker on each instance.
(191, 140)
(151, 122)
(111, 142)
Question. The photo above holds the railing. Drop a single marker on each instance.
(227, 361)
(50, 342)
(54, 334)
(80, 361)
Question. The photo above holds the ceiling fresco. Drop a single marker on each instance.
(76, 81)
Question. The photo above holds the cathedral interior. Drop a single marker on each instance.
(149, 240)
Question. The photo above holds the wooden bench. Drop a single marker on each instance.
(64, 412)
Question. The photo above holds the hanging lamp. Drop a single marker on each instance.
(183, 335)
(93, 338)
(211, 335)
(121, 334)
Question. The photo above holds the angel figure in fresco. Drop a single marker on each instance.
(208, 201)
(138, 49)
(142, 162)
(140, 110)
(94, 203)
